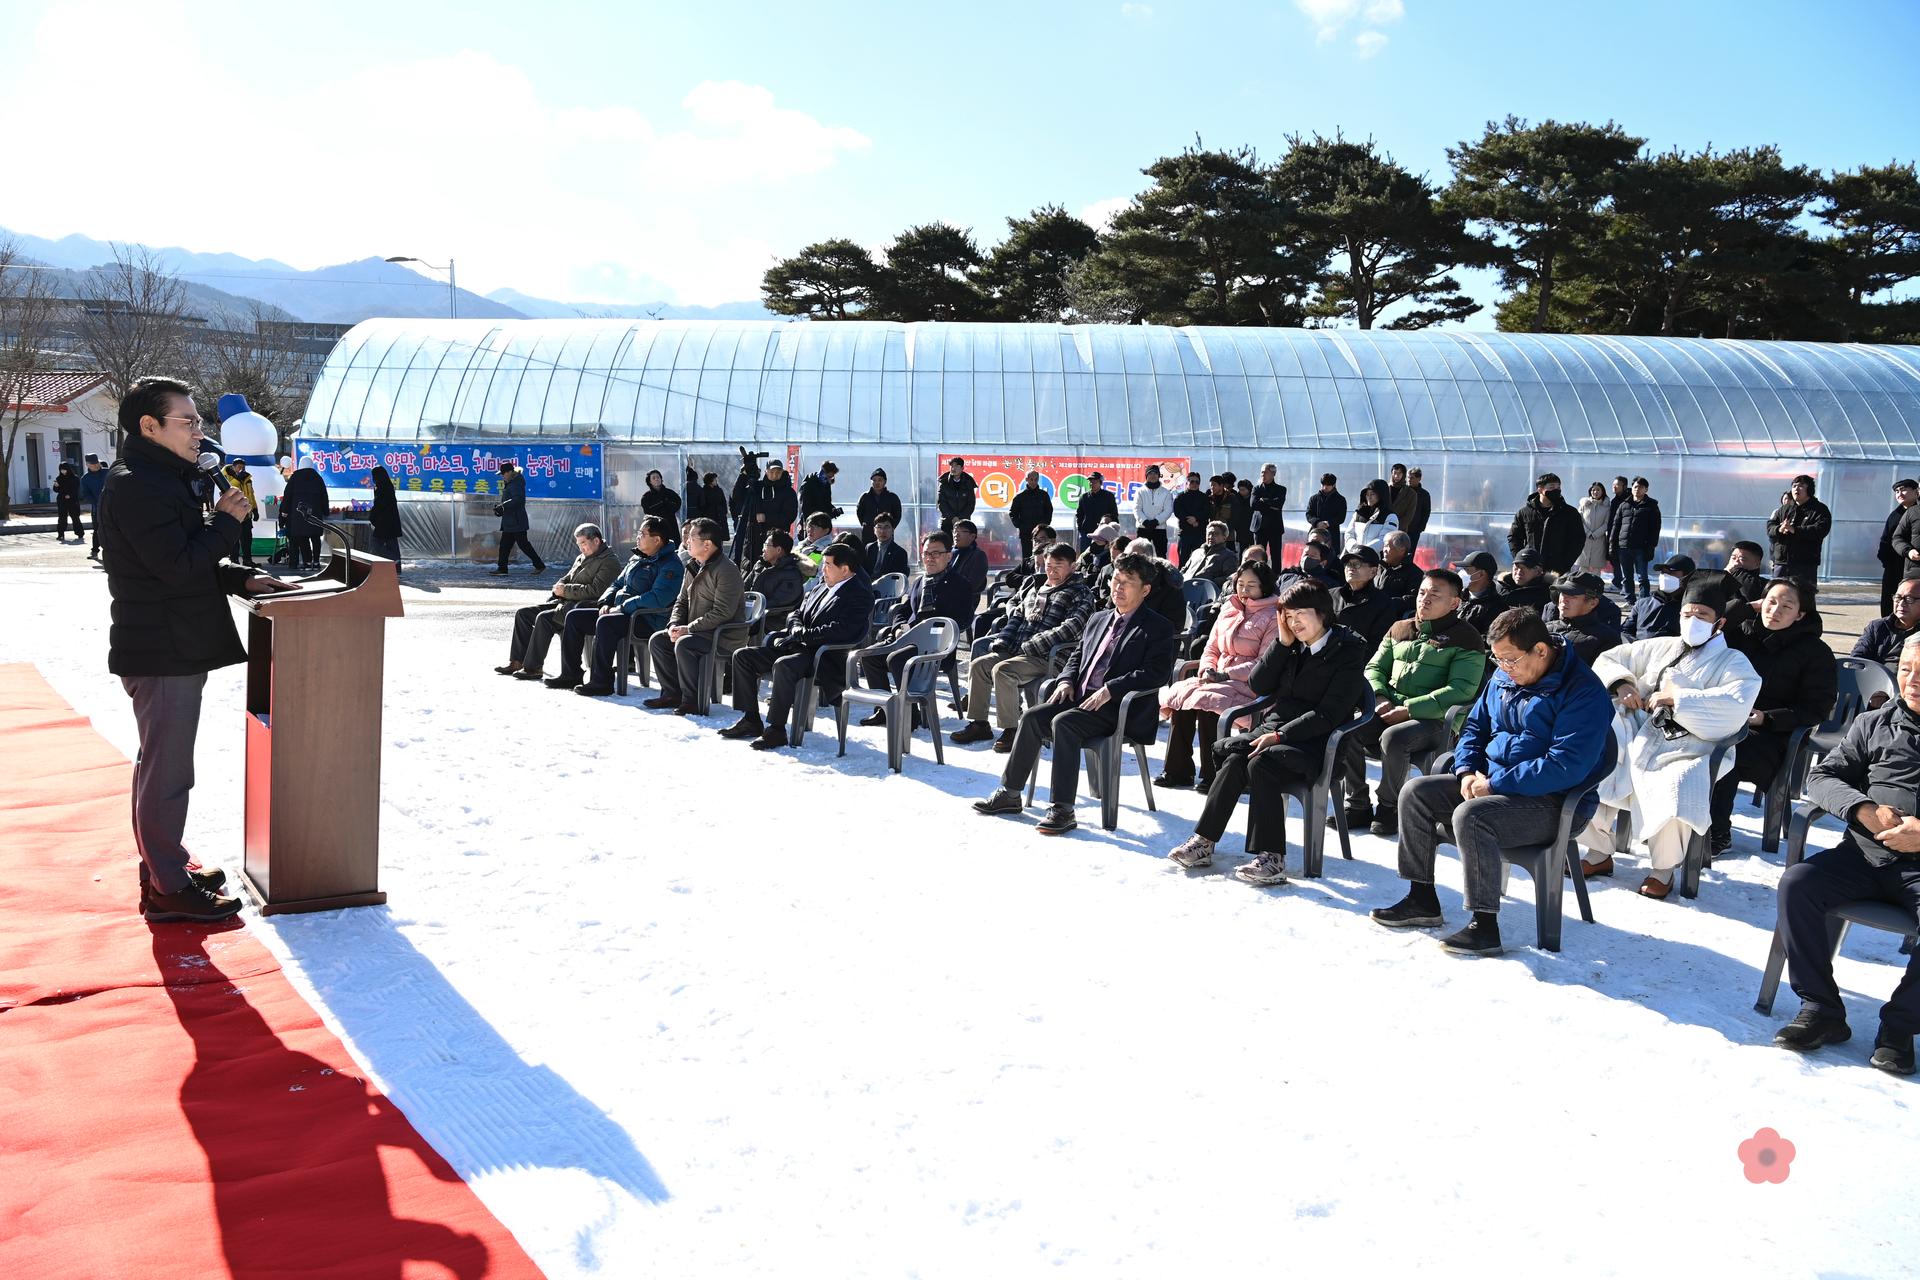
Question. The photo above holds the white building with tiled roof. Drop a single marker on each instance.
(67, 415)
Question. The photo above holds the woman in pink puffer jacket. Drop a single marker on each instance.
(1248, 623)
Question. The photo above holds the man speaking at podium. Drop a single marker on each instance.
(171, 625)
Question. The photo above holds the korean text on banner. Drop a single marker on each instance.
(1065, 477)
(553, 470)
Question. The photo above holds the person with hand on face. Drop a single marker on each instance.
(1192, 512)
(1658, 612)
(1424, 667)
(1869, 781)
(1536, 734)
(1798, 681)
(171, 625)
(636, 599)
(1798, 530)
(1031, 508)
(1580, 616)
(1676, 697)
(1548, 526)
(535, 625)
(1884, 637)
(1743, 570)
(1153, 511)
(1125, 649)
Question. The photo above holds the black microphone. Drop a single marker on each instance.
(209, 464)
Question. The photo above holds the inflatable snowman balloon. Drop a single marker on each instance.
(247, 436)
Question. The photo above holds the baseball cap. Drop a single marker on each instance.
(1481, 560)
(1361, 552)
(1581, 584)
(1678, 566)
(1108, 531)
(1528, 557)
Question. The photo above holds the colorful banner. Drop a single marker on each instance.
(1064, 477)
(553, 470)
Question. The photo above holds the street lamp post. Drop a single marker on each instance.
(453, 304)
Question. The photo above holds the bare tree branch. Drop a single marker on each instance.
(135, 323)
(28, 312)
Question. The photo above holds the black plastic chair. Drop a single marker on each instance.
(1106, 766)
(1875, 915)
(1859, 679)
(917, 690)
(1316, 793)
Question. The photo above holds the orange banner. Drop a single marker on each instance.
(1065, 477)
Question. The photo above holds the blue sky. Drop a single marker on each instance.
(637, 151)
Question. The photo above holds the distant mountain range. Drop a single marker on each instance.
(217, 284)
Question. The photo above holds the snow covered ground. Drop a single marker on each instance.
(678, 1008)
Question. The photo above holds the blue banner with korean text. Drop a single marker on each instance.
(555, 469)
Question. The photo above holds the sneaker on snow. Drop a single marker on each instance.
(1415, 911)
(1813, 1028)
(1265, 870)
(1196, 852)
(1893, 1053)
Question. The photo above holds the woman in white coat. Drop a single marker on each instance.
(1593, 513)
(1676, 696)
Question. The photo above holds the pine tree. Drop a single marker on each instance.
(831, 280)
(1875, 214)
(1025, 275)
(927, 276)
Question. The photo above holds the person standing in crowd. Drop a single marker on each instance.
(877, 501)
(1422, 508)
(1867, 781)
(1247, 623)
(1676, 697)
(956, 494)
(776, 576)
(384, 518)
(1549, 526)
(663, 502)
(92, 484)
(883, 555)
(1191, 513)
(589, 576)
(1580, 616)
(635, 599)
(1900, 541)
(705, 617)
(1636, 535)
(775, 506)
(1743, 570)
(1220, 502)
(1400, 497)
(816, 492)
(1883, 637)
(1658, 612)
(66, 503)
(1536, 734)
(240, 478)
(1798, 530)
(303, 505)
(746, 487)
(1269, 507)
(1371, 521)
(1030, 508)
(709, 500)
(1051, 612)
(171, 626)
(514, 525)
(1242, 504)
(1798, 682)
(1329, 505)
(1097, 507)
(1622, 490)
(1153, 511)
(1594, 510)
(835, 615)
(1124, 649)
(1423, 667)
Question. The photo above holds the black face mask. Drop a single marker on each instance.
(1153, 484)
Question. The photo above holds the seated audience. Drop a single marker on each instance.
(535, 625)
(1313, 684)
(1884, 637)
(777, 576)
(1676, 696)
(1482, 602)
(939, 592)
(1537, 733)
(1218, 559)
(1123, 650)
(1362, 606)
(1869, 781)
(1399, 576)
(644, 586)
(1248, 621)
(1527, 585)
(883, 555)
(706, 618)
(1427, 665)
(1051, 613)
(1318, 562)
(1099, 551)
(1657, 613)
(819, 532)
(1746, 566)
(1579, 614)
(1798, 680)
(837, 614)
(969, 559)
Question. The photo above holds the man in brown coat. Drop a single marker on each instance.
(708, 612)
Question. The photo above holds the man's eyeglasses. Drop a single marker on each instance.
(1508, 664)
(193, 419)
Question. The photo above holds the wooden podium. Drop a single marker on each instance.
(314, 676)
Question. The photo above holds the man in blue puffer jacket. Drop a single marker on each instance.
(1542, 728)
(645, 589)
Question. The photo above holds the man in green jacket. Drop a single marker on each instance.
(1425, 666)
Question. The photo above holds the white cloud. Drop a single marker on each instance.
(1099, 214)
(1385, 11)
(1368, 43)
(1331, 18)
(1136, 12)
(462, 155)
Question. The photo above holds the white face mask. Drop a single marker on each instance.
(1695, 631)
(1667, 582)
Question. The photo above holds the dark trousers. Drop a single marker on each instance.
(306, 550)
(1760, 755)
(1808, 569)
(388, 547)
(1191, 541)
(1026, 553)
(1274, 540)
(508, 541)
(1432, 813)
(787, 671)
(1184, 727)
(1071, 729)
(1157, 535)
(608, 632)
(1634, 564)
(1393, 745)
(245, 550)
(876, 668)
(534, 627)
(95, 513)
(1263, 778)
(1843, 874)
(166, 710)
(69, 509)
(676, 666)
(574, 630)
(1890, 575)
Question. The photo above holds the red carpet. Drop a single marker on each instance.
(170, 1106)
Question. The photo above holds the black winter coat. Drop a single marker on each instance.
(1096, 507)
(303, 504)
(816, 497)
(1591, 634)
(1881, 641)
(881, 558)
(1877, 762)
(778, 502)
(1329, 507)
(1422, 510)
(512, 507)
(1636, 526)
(1269, 502)
(874, 505)
(1030, 509)
(1655, 614)
(66, 487)
(1535, 595)
(1191, 504)
(1480, 608)
(955, 497)
(1556, 532)
(164, 571)
(1750, 583)
(1800, 549)
(780, 582)
(385, 516)
(1401, 581)
(709, 501)
(1904, 538)
(1142, 660)
(1798, 675)
(1313, 693)
(1368, 612)
(665, 503)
